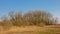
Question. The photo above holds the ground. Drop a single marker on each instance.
(54, 29)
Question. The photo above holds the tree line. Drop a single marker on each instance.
(37, 18)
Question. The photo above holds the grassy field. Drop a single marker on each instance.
(31, 30)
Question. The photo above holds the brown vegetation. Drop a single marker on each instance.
(30, 21)
(37, 18)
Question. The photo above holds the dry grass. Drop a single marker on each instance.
(31, 30)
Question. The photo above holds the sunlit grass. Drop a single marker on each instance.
(31, 30)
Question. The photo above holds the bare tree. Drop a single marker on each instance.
(17, 18)
(37, 17)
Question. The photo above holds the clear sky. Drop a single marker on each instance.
(52, 6)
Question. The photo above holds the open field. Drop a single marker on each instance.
(31, 30)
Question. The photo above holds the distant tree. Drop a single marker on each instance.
(17, 18)
(12, 16)
(55, 20)
(32, 18)
(37, 17)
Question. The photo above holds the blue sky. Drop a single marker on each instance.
(52, 6)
